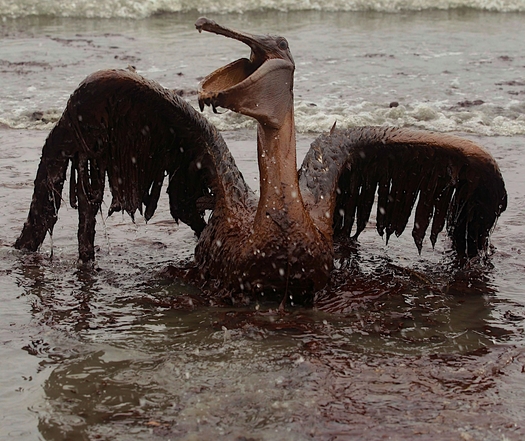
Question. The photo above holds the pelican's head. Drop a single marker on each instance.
(260, 87)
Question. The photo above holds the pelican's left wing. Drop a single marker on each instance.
(447, 178)
(123, 127)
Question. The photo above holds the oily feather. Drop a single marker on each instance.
(453, 180)
(131, 130)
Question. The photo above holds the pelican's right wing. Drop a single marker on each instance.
(451, 178)
(122, 126)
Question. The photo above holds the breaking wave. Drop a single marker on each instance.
(137, 9)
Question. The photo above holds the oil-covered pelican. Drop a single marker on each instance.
(123, 126)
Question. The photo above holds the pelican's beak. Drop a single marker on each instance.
(254, 86)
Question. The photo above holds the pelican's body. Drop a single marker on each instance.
(280, 244)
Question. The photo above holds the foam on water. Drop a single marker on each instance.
(485, 119)
(146, 8)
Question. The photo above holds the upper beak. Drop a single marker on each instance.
(255, 42)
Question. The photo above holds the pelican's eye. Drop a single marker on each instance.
(283, 44)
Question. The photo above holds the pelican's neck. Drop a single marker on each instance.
(280, 199)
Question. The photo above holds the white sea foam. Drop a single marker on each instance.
(485, 119)
(146, 8)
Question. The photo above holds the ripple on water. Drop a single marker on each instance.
(422, 350)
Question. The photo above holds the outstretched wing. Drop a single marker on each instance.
(123, 126)
(452, 179)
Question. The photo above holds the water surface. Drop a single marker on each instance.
(411, 347)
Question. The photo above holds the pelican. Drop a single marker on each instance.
(131, 130)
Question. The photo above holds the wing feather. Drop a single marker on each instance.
(366, 202)
(122, 126)
(449, 180)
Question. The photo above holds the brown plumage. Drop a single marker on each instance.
(123, 126)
